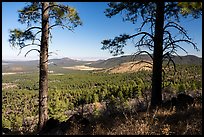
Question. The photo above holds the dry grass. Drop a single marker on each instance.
(159, 122)
(156, 122)
(129, 67)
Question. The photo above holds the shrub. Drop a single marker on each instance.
(6, 123)
(57, 106)
(181, 88)
(95, 97)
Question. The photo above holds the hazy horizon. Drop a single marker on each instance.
(80, 58)
(74, 58)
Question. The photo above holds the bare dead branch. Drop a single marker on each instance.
(145, 44)
(143, 51)
(30, 11)
(144, 33)
(61, 25)
(34, 41)
(144, 67)
(145, 21)
(176, 53)
(181, 30)
(51, 6)
(32, 50)
(32, 28)
(178, 27)
(49, 54)
(27, 46)
(30, 45)
(183, 40)
(170, 59)
(37, 33)
(141, 61)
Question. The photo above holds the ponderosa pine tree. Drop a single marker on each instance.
(40, 18)
(162, 18)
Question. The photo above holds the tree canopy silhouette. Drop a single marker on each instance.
(161, 19)
(41, 18)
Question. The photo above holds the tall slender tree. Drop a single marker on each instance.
(40, 18)
(162, 18)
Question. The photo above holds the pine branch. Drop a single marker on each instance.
(32, 50)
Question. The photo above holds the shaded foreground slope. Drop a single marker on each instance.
(131, 121)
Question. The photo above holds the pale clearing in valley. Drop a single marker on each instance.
(82, 67)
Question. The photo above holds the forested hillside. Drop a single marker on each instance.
(57, 64)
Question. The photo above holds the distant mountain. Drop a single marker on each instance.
(66, 62)
(24, 66)
(189, 59)
(58, 62)
(20, 66)
(25, 63)
(111, 62)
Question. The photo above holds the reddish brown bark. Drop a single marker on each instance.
(43, 81)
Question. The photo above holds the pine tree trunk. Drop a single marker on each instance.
(156, 97)
(43, 81)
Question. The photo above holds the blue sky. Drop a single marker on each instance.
(85, 42)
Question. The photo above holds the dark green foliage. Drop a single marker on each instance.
(18, 37)
(116, 45)
(26, 15)
(64, 15)
(182, 88)
(74, 89)
(58, 104)
(191, 8)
